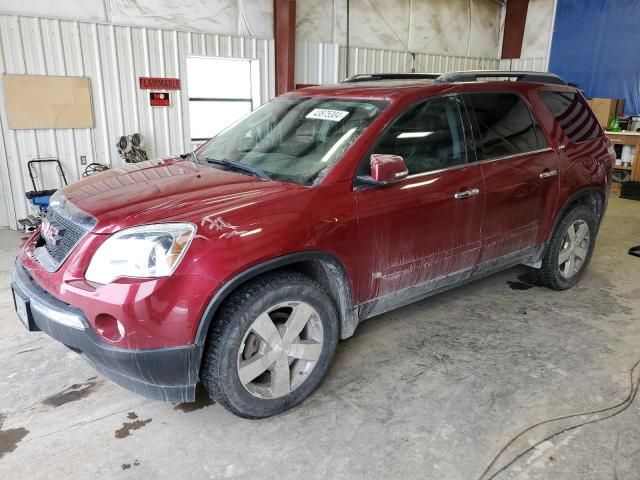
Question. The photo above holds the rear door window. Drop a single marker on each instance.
(504, 125)
(572, 114)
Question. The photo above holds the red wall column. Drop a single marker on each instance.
(514, 21)
(284, 28)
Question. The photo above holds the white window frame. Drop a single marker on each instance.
(255, 100)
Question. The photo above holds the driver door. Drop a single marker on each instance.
(421, 233)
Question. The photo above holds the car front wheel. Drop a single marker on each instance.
(270, 345)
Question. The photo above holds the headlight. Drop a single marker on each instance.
(146, 251)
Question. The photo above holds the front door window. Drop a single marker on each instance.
(429, 137)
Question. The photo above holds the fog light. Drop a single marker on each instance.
(110, 328)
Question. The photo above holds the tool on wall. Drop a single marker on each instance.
(131, 148)
(94, 168)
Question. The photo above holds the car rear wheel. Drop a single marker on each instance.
(570, 250)
(270, 345)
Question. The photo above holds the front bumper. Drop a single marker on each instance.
(168, 374)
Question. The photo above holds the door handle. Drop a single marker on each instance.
(467, 193)
(548, 174)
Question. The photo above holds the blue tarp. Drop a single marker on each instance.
(596, 44)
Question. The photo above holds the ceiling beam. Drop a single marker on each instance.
(284, 28)
(514, 22)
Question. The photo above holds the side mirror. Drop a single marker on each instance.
(385, 170)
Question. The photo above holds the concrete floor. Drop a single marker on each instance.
(433, 390)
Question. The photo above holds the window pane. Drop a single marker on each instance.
(208, 118)
(428, 137)
(505, 126)
(542, 141)
(218, 78)
(572, 114)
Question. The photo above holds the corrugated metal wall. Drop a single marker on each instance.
(526, 64)
(113, 57)
(320, 63)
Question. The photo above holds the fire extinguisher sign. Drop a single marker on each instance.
(159, 99)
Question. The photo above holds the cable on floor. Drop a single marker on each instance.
(619, 408)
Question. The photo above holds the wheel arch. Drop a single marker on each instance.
(323, 267)
(591, 197)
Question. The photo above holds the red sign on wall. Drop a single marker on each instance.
(159, 99)
(158, 83)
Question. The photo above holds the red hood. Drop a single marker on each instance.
(168, 190)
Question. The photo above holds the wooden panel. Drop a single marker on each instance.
(43, 101)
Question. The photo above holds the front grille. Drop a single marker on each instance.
(62, 229)
(68, 235)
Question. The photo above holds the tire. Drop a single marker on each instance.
(242, 341)
(559, 276)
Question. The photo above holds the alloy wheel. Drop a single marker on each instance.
(575, 248)
(280, 350)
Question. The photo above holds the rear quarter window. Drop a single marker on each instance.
(573, 115)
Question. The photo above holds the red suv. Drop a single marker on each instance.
(241, 265)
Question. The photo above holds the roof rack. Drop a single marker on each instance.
(376, 77)
(519, 76)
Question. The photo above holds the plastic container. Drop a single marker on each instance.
(627, 153)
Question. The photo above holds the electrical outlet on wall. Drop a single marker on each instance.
(83, 159)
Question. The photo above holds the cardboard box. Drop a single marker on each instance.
(605, 108)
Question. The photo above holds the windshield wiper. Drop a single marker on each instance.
(239, 166)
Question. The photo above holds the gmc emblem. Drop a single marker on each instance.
(49, 232)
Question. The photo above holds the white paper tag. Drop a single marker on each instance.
(326, 114)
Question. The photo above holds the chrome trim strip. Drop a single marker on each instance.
(475, 163)
(442, 170)
(67, 319)
(509, 157)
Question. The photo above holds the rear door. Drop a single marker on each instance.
(423, 232)
(520, 174)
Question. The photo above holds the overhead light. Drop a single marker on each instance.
(414, 134)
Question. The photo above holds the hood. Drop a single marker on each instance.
(157, 191)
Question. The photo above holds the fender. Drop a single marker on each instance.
(346, 312)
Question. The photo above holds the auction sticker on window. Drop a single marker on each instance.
(326, 114)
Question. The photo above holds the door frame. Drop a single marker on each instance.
(392, 300)
(466, 131)
(518, 256)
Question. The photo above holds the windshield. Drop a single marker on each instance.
(291, 139)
